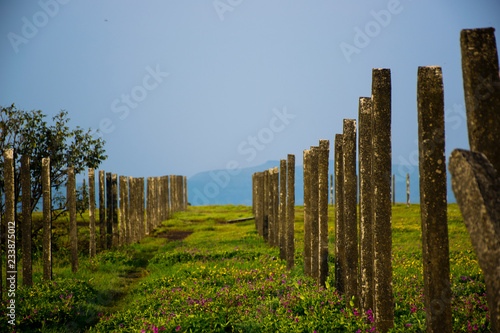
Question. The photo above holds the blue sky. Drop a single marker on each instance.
(179, 87)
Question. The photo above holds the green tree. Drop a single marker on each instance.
(28, 133)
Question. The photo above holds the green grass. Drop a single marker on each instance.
(224, 278)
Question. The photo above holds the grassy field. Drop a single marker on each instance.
(224, 278)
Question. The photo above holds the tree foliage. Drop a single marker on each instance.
(29, 133)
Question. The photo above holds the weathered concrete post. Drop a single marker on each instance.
(307, 213)
(365, 204)
(47, 220)
(149, 204)
(259, 202)
(407, 190)
(166, 203)
(381, 176)
(109, 210)
(126, 220)
(476, 185)
(132, 208)
(350, 210)
(276, 202)
(339, 215)
(160, 201)
(122, 188)
(482, 91)
(141, 210)
(314, 219)
(92, 241)
(433, 203)
(180, 187)
(26, 223)
(73, 231)
(323, 155)
(10, 218)
(102, 210)
(290, 212)
(265, 207)
(282, 210)
(116, 233)
(270, 208)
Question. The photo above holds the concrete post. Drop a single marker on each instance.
(290, 214)
(482, 91)
(265, 207)
(381, 176)
(102, 210)
(314, 212)
(276, 202)
(282, 209)
(323, 156)
(109, 210)
(350, 210)
(141, 211)
(433, 203)
(92, 229)
(10, 218)
(122, 188)
(26, 223)
(270, 209)
(116, 233)
(47, 220)
(307, 214)
(339, 215)
(73, 231)
(365, 204)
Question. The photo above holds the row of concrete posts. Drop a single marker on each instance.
(138, 216)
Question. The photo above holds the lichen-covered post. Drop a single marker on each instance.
(350, 210)
(167, 197)
(482, 91)
(109, 210)
(476, 185)
(126, 219)
(381, 176)
(270, 209)
(339, 215)
(140, 211)
(102, 210)
(314, 217)
(73, 231)
(365, 204)
(276, 202)
(10, 219)
(116, 233)
(180, 179)
(323, 155)
(92, 240)
(133, 210)
(47, 220)
(122, 180)
(290, 213)
(265, 207)
(162, 212)
(433, 202)
(149, 204)
(407, 190)
(26, 222)
(282, 209)
(307, 213)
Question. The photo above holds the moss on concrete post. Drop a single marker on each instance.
(290, 215)
(339, 215)
(26, 221)
(73, 231)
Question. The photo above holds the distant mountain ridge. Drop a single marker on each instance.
(225, 187)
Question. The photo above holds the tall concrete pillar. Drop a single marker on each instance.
(265, 207)
(47, 220)
(433, 202)
(307, 214)
(140, 210)
(350, 210)
(73, 231)
(26, 222)
(323, 156)
(102, 210)
(92, 229)
(282, 209)
(116, 234)
(339, 215)
(290, 214)
(314, 219)
(365, 204)
(381, 176)
(10, 219)
(109, 210)
(122, 188)
(270, 211)
(482, 91)
(276, 204)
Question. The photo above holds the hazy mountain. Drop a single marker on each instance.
(220, 187)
